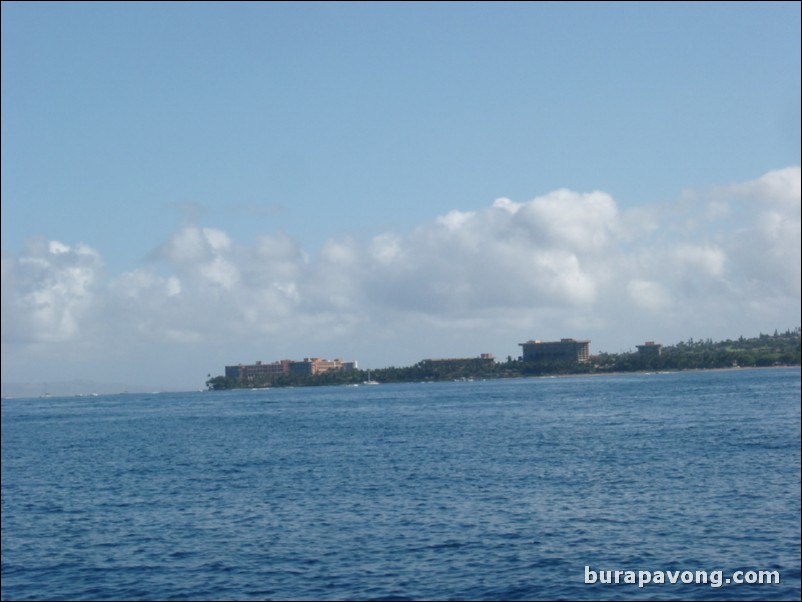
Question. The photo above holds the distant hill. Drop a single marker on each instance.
(69, 388)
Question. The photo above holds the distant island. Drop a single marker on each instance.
(564, 357)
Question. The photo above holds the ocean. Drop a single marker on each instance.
(519, 489)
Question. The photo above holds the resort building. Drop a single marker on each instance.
(650, 349)
(564, 349)
(261, 372)
(484, 358)
(316, 365)
(257, 372)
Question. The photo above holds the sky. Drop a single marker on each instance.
(187, 186)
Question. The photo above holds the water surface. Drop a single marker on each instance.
(485, 490)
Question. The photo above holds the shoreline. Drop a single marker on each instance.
(519, 376)
(644, 372)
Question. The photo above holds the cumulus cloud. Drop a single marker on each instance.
(717, 263)
(649, 295)
(49, 292)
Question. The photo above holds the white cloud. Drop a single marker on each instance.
(187, 246)
(386, 249)
(454, 220)
(173, 286)
(715, 263)
(217, 239)
(780, 188)
(220, 271)
(57, 248)
(649, 295)
(49, 293)
(580, 222)
(708, 260)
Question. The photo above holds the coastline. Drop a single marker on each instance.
(656, 372)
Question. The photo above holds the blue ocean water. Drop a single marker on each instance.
(492, 490)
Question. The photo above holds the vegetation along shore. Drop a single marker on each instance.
(778, 349)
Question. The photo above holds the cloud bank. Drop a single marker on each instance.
(715, 263)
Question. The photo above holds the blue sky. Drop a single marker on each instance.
(186, 186)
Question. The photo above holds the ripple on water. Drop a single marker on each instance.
(499, 490)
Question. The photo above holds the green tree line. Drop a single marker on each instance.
(778, 349)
